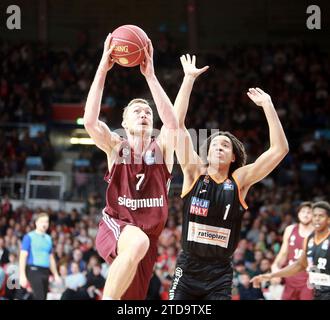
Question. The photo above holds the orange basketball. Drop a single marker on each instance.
(129, 42)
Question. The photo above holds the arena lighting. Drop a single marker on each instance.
(80, 121)
(87, 141)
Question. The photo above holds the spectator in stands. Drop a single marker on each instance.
(94, 284)
(264, 266)
(154, 288)
(73, 282)
(57, 288)
(274, 290)
(77, 257)
(4, 252)
(2, 283)
(245, 289)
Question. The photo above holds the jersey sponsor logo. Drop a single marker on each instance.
(149, 157)
(203, 233)
(325, 245)
(292, 240)
(228, 185)
(134, 204)
(205, 185)
(199, 207)
(178, 274)
(319, 279)
(125, 156)
(126, 152)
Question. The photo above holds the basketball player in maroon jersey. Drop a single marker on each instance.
(215, 185)
(293, 239)
(138, 179)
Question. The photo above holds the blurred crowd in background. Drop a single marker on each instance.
(82, 269)
(297, 77)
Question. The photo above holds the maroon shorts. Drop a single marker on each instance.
(296, 293)
(106, 245)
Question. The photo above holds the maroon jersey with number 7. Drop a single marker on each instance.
(137, 190)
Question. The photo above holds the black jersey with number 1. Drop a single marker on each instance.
(212, 219)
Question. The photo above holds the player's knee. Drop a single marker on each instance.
(140, 247)
(134, 242)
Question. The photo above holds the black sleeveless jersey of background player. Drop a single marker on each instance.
(318, 257)
(212, 218)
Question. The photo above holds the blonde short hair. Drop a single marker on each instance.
(41, 215)
(137, 100)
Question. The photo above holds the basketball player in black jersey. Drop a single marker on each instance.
(213, 192)
(315, 257)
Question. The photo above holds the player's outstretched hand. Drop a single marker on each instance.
(259, 97)
(107, 62)
(189, 66)
(260, 278)
(147, 65)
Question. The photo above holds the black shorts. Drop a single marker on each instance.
(197, 279)
(321, 295)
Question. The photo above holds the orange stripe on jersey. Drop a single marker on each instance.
(242, 201)
(184, 193)
(322, 239)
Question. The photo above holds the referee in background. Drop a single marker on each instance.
(36, 258)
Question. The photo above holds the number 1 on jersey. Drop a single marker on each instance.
(226, 212)
(141, 177)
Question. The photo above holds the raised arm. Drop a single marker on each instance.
(97, 129)
(191, 73)
(166, 138)
(162, 101)
(288, 271)
(187, 156)
(268, 161)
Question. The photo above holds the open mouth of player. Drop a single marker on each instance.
(219, 155)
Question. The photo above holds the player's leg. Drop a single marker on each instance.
(306, 293)
(318, 295)
(220, 287)
(139, 286)
(223, 294)
(132, 246)
(182, 287)
(288, 293)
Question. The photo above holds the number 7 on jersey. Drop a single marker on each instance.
(139, 176)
